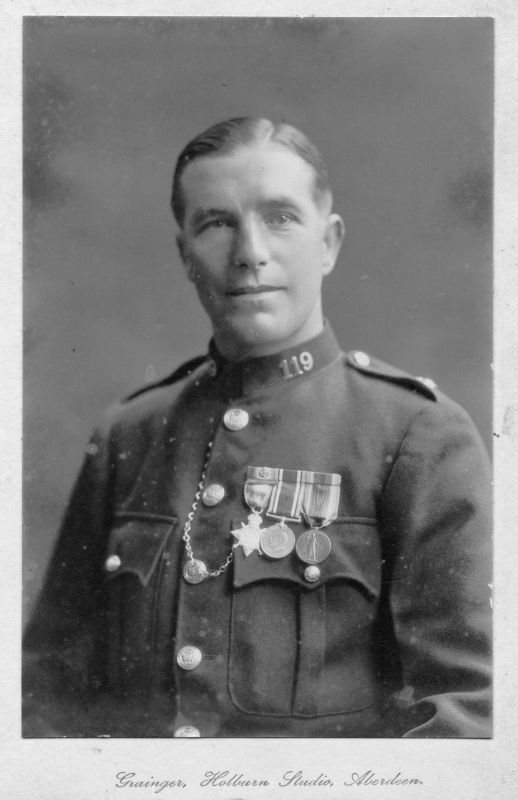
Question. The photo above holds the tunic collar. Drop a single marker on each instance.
(286, 367)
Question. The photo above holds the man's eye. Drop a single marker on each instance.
(280, 220)
(216, 223)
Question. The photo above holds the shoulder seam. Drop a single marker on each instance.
(183, 371)
(402, 441)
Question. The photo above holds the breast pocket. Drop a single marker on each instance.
(133, 567)
(305, 649)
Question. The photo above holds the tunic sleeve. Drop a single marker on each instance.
(62, 658)
(436, 524)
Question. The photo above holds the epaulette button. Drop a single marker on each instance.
(427, 382)
(362, 359)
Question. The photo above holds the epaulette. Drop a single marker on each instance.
(183, 371)
(372, 366)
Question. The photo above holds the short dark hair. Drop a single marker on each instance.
(226, 136)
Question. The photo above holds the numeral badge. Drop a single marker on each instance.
(296, 365)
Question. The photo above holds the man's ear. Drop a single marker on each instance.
(189, 268)
(333, 238)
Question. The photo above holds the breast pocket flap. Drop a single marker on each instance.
(135, 546)
(355, 557)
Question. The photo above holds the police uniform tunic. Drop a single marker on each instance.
(387, 636)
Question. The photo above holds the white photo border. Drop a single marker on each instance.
(60, 769)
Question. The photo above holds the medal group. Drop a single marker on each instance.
(285, 495)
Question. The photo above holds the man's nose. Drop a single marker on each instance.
(250, 246)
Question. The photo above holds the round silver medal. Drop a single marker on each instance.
(195, 571)
(313, 546)
(277, 541)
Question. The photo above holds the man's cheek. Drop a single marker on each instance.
(213, 259)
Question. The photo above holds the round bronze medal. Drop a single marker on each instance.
(195, 571)
(277, 541)
(313, 546)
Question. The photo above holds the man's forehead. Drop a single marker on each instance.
(266, 172)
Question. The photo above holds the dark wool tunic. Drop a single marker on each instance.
(392, 639)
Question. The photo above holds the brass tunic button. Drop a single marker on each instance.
(212, 368)
(186, 731)
(312, 574)
(213, 494)
(235, 419)
(362, 359)
(188, 657)
(265, 472)
(112, 563)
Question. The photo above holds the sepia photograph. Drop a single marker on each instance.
(257, 377)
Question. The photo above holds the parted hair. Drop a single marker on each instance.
(229, 135)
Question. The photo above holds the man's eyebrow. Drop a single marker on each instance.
(280, 202)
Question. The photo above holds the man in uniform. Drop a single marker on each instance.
(280, 539)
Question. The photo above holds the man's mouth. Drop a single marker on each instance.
(244, 290)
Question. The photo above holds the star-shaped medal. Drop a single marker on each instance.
(248, 535)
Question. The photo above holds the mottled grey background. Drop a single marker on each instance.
(402, 110)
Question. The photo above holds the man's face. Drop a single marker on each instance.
(256, 245)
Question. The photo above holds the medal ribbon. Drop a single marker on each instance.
(257, 495)
(320, 503)
(289, 492)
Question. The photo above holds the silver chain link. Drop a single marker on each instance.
(190, 518)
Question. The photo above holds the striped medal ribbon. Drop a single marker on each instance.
(293, 495)
(319, 509)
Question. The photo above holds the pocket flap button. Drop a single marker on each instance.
(312, 574)
(112, 563)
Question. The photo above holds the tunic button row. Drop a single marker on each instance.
(235, 419)
(213, 494)
(186, 731)
(188, 657)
